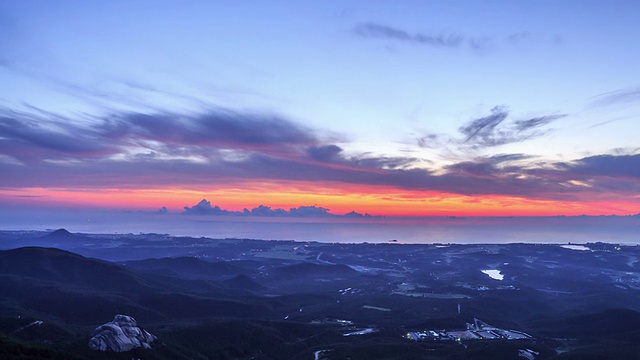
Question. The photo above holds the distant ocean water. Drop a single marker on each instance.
(404, 230)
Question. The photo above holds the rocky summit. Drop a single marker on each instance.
(121, 334)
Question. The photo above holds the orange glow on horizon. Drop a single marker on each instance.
(340, 200)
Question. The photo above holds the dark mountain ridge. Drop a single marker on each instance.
(67, 269)
(273, 300)
(187, 267)
(71, 286)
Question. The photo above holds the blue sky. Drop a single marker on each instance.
(544, 94)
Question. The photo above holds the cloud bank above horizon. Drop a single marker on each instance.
(304, 211)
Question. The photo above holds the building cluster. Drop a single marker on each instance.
(479, 330)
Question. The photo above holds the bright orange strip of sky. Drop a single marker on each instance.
(340, 200)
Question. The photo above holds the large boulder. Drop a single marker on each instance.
(121, 334)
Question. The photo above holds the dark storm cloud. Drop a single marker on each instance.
(494, 130)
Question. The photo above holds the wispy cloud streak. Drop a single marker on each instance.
(448, 40)
(223, 147)
(378, 31)
(493, 130)
(32, 137)
(623, 96)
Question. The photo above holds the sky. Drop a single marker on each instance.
(320, 108)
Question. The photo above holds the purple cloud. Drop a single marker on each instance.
(26, 138)
(606, 165)
(30, 137)
(147, 150)
(324, 153)
(263, 210)
(217, 128)
(204, 208)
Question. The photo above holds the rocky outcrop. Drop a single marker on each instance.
(121, 334)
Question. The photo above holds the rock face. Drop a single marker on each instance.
(121, 334)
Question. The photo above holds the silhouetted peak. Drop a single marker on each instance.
(60, 233)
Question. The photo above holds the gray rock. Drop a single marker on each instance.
(121, 334)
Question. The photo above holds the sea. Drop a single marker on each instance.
(409, 230)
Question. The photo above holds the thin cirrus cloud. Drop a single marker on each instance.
(492, 166)
(443, 40)
(622, 96)
(379, 31)
(221, 147)
(492, 130)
